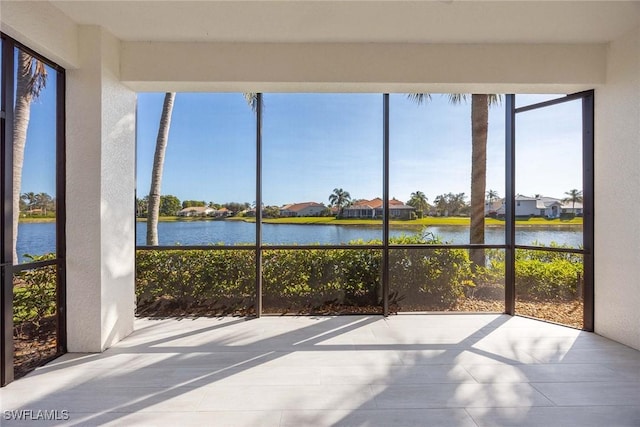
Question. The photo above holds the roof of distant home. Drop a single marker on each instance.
(197, 209)
(377, 204)
(295, 207)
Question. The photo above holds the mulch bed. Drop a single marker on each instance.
(34, 345)
(568, 313)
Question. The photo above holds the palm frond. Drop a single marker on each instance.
(37, 77)
(419, 98)
(252, 100)
(458, 98)
(494, 99)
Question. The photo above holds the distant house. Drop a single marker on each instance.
(547, 207)
(541, 206)
(361, 209)
(493, 208)
(196, 211)
(302, 209)
(568, 207)
(373, 209)
(222, 212)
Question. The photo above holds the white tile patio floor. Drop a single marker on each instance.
(405, 370)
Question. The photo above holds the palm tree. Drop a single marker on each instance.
(492, 196)
(574, 196)
(158, 165)
(440, 203)
(339, 198)
(419, 201)
(158, 162)
(479, 129)
(43, 202)
(30, 199)
(480, 104)
(31, 79)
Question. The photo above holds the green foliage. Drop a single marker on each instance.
(193, 204)
(195, 278)
(223, 281)
(236, 207)
(419, 201)
(542, 275)
(271, 212)
(169, 205)
(547, 275)
(432, 278)
(451, 204)
(40, 204)
(34, 292)
(339, 198)
(314, 276)
(142, 207)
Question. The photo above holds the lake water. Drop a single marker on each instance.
(234, 232)
(39, 238)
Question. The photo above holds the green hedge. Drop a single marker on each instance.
(431, 278)
(312, 278)
(34, 293)
(543, 275)
(300, 278)
(223, 281)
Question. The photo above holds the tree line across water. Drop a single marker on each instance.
(170, 205)
(446, 204)
(37, 204)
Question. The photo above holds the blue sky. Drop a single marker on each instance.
(313, 143)
(39, 168)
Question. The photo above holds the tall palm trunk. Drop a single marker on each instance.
(158, 165)
(479, 130)
(22, 114)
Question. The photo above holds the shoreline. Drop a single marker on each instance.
(407, 224)
(35, 220)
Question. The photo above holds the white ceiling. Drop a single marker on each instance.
(445, 21)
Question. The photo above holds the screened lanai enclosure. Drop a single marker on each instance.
(345, 225)
(312, 203)
(33, 221)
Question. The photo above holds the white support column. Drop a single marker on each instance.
(100, 196)
(617, 201)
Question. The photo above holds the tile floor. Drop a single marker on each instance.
(405, 370)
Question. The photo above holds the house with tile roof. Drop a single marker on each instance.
(302, 209)
(373, 209)
(196, 211)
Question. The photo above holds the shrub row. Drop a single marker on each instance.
(431, 278)
(223, 281)
(301, 278)
(543, 275)
(34, 293)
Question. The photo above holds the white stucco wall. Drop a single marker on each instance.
(43, 28)
(363, 67)
(100, 195)
(617, 200)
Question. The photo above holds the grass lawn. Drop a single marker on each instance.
(181, 219)
(433, 221)
(31, 219)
